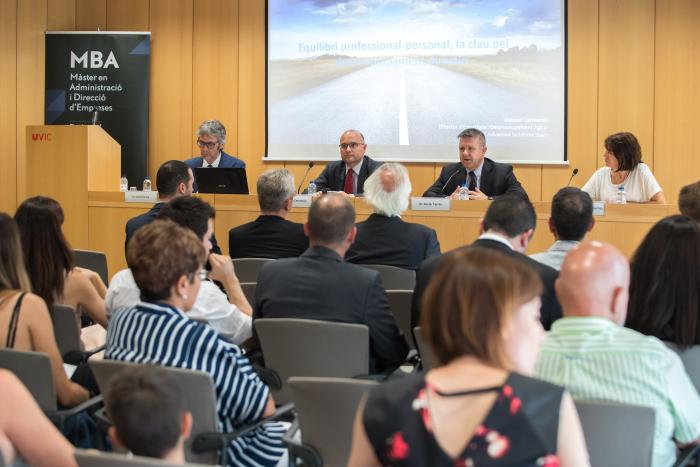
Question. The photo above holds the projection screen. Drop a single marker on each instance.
(411, 74)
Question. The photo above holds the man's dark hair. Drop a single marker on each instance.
(572, 212)
(689, 201)
(189, 212)
(510, 215)
(146, 405)
(169, 177)
(331, 217)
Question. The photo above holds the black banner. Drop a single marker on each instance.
(107, 73)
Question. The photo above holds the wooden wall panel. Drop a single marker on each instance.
(531, 179)
(626, 72)
(91, 15)
(8, 110)
(677, 99)
(127, 15)
(60, 15)
(170, 132)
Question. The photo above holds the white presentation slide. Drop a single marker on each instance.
(411, 74)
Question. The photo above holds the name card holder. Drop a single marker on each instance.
(301, 201)
(430, 204)
(141, 196)
(598, 208)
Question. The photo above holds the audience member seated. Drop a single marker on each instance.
(624, 168)
(349, 173)
(27, 437)
(594, 357)
(167, 264)
(689, 201)
(148, 413)
(384, 238)
(229, 316)
(570, 219)
(665, 283)
(49, 260)
(481, 406)
(25, 323)
(320, 285)
(508, 226)
(271, 235)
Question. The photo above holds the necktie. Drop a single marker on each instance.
(472, 181)
(209, 166)
(349, 176)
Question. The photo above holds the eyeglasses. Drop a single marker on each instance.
(352, 146)
(203, 275)
(201, 144)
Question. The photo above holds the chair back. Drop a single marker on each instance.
(617, 434)
(427, 356)
(691, 361)
(200, 399)
(304, 347)
(400, 305)
(33, 369)
(94, 458)
(66, 329)
(247, 269)
(249, 291)
(326, 410)
(394, 278)
(94, 261)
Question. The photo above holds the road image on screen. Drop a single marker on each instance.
(411, 74)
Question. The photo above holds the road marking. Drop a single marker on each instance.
(403, 117)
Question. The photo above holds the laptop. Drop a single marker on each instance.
(222, 180)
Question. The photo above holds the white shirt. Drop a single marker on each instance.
(214, 164)
(640, 185)
(211, 306)
(554, 257)
(495, 238)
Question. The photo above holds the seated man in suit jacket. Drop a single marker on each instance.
(384, 238)
(353, 159)
(484, 177)
(508, 226)
(270, 235)
(211, 138)
(320, 285)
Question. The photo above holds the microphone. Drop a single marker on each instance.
(308, 169)
(94, 118)
(573, 174)
(460, 169)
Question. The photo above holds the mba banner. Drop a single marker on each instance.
(102, 78)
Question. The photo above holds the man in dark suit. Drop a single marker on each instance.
(384, 238)
(271, 235)
(320, 285)
(484, 178)
(211, 138)
(508, 227)
(349, 173)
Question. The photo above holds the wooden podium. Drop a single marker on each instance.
(65, 162)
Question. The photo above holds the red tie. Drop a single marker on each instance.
(348, 182)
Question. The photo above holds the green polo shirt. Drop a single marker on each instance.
(595, 359)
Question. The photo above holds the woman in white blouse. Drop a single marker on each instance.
(624, 167)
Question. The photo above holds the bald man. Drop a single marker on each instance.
(384, 238)
(336, 176)
(594, 357)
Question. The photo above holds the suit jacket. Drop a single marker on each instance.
(550, 311)
(320, 285)
(333, 176)
(392, 241)
(267, 237)
(226, 161)
(496, 179)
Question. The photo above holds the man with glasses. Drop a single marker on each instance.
(349, 173)
(211, 138)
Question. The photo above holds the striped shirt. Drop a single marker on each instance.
(158, 333)
(595, 359)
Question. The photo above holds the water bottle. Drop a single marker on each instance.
(147, 184)
(123, 183)
(463, 192)
(620, 197)
(312, 188)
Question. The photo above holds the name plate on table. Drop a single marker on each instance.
(141, 196)
(598, 208)
(430, 204)
(301, 201)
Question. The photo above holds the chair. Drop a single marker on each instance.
(304, 347)
(691, 361)
(93, 458)
(93, 260)
(67, 332)
(247, 269)
(325, 414)
(249, 291)
(426, 353)
(394, 278)
(400, 304)
(33, 369)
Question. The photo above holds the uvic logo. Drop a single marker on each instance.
(41, 136)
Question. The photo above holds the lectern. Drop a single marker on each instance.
(64, 162)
